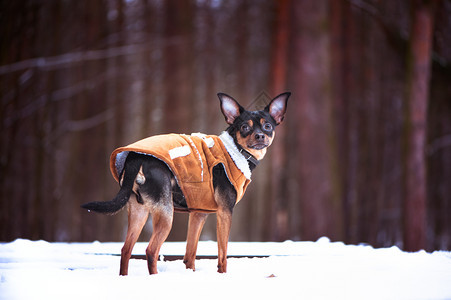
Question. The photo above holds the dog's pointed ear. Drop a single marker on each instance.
(278, 107)
(230, 108)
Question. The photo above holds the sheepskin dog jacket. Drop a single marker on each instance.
(191, 159)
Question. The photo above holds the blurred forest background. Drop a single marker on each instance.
(363, 156)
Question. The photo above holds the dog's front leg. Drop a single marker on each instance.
(195, 224)
(223, 224)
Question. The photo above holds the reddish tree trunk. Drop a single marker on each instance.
(278, 225)
(419, 63)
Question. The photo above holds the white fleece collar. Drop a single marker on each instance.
(235, 154)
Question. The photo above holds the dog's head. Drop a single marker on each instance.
(253, 131)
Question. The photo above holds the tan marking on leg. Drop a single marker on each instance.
(137, 217)
(195, 224)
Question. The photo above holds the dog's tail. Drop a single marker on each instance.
(122, 197)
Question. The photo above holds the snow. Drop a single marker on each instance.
(293, 270)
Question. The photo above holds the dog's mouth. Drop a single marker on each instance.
(258, 146)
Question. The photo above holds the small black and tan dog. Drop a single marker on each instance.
(197, 173)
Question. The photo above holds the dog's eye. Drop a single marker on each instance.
(245, 128)
(267, 126)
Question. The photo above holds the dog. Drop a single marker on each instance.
(199, 174)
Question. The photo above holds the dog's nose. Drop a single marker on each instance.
(259, 136)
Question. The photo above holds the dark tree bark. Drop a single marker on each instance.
(417, 89)
(320, 202)
(278, 215)
(177, 53)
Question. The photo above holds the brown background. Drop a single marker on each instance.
(364, 154)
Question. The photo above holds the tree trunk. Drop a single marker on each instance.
(278, 225)
(417, 91)
(320, 204)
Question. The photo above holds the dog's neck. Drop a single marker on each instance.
(242, 159)
(253, 162)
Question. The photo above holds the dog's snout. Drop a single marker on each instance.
(259, 136)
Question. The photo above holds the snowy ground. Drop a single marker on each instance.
(294, 270)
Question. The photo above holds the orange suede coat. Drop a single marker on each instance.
(191, 159)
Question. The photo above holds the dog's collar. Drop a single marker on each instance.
(240, 159)
(249, 157)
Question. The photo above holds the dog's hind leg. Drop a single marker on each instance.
(195, 224)
(162, 217)
(137, 217)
